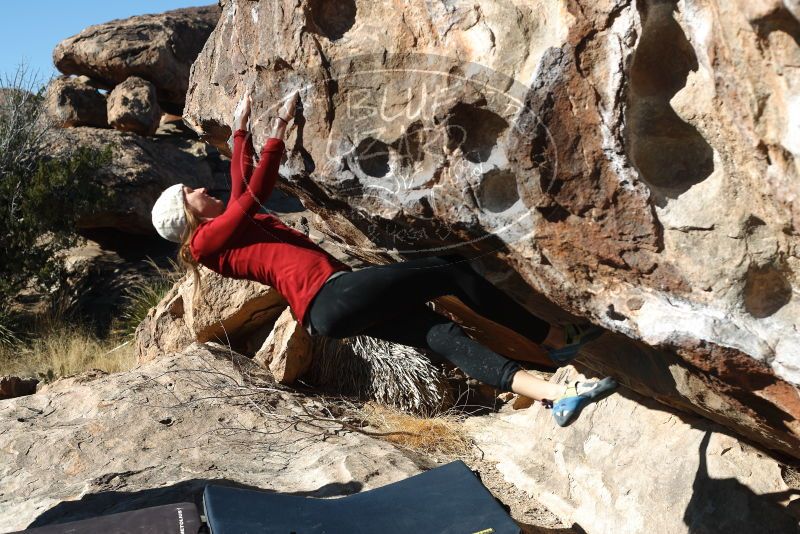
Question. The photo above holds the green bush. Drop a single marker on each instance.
(42, 197)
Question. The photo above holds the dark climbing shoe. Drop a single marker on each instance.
(577, 335)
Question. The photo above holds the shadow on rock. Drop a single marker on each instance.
(113, 502)
(726, 505)
(663, 376)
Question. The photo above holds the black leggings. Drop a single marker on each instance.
(388, 302)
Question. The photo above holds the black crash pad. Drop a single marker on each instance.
(180, 518)
(448, 499)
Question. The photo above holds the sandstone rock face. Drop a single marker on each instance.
(159, 48)
(140, 170)
(238, 313)
(82, 448)
(73, 102)
(635, 163)
(287, 350)
(627, 465)
(133, 107)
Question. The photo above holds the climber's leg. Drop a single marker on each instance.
(372, 295)
(425, 329)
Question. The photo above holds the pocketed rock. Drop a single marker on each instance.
(287, 349)
(633, 163)
(71, 101)
(133, 107)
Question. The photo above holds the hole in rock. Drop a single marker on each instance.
(373, 157)
(498, 190)
(332, 18)
(766, 291)
(614, 315)
(475, 130)
(670, 154)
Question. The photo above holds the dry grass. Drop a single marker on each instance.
(65, 351)
(438, 434)
(58, 345)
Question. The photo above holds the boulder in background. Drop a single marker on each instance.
(133, 107)
(72, 101)
(159, 48)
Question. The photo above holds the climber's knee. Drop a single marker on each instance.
(441, 335)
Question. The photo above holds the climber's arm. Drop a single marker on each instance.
(241, 163)
(218, 234)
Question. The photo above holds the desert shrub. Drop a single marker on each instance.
(42, 196)
(389, 373)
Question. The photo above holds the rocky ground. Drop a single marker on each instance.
(97, 443)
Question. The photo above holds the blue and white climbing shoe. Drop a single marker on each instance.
(577, 335)
(579, 395)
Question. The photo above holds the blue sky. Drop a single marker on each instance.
(30, 29)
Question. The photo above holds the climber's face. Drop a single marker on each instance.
(201, 203)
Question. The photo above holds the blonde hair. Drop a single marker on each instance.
(185, 258)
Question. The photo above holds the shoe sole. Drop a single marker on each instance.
(603, 387)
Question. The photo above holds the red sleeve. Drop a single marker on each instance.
(241, 163)
(219, 232)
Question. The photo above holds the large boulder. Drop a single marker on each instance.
(287, 350)
(627, 465)
(239, 313)
(159, 48)
(82, 448)
(141, 168)
(133, 107)
(626, 161)
(72, 101)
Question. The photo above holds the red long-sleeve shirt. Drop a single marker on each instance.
(244, 244)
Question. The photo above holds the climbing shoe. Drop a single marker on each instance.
(577, 335)
(579, 395)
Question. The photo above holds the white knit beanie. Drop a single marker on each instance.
(169, 216)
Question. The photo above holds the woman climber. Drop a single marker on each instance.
(382, 301)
